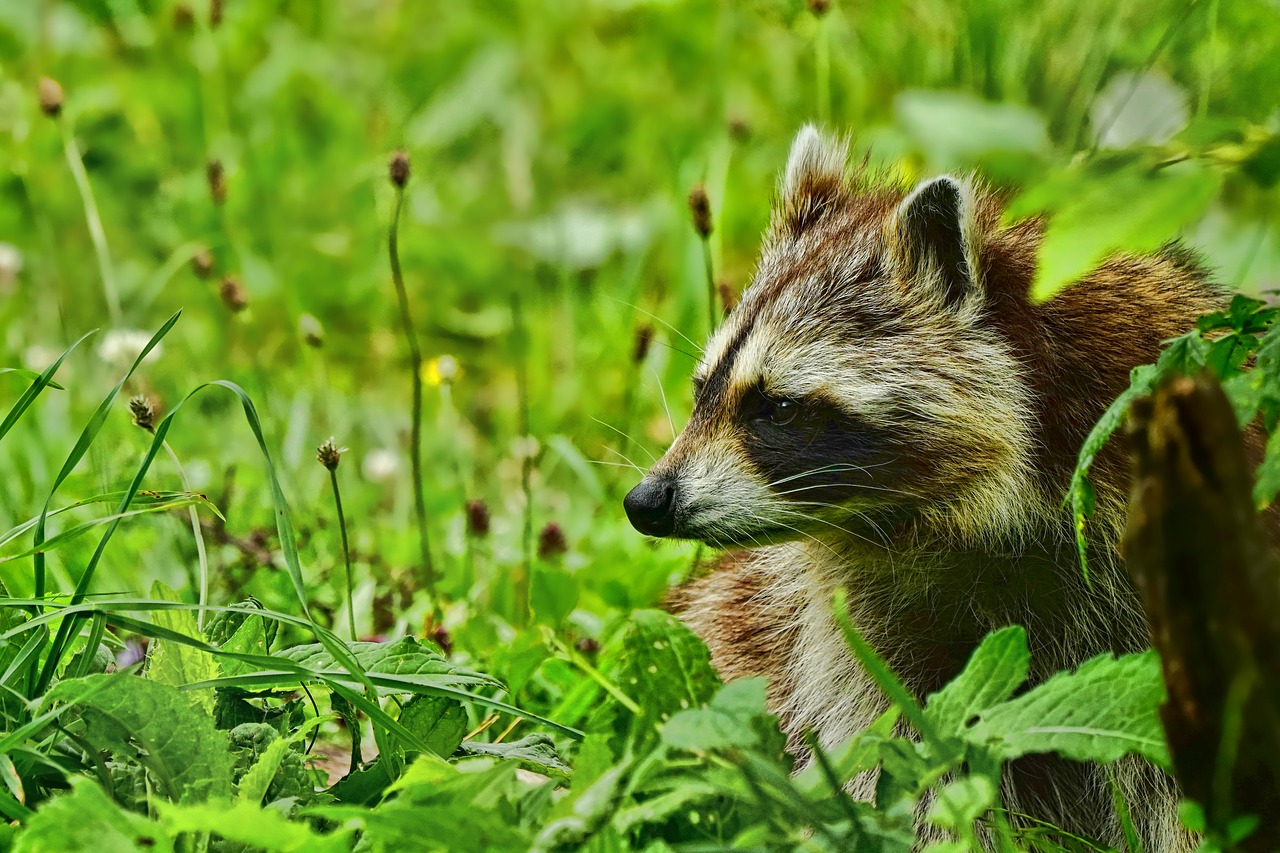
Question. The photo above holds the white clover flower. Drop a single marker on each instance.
(381, 465)
(119, 347)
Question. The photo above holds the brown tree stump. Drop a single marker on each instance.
(1204, 566)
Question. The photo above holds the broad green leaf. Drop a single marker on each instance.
(960, 803)
(176, 664)
(157, 725)
(1107, 708)
(439, 721)
(858, 754)
(553, 593)
(729, 720)
(87, 819)
(256, 781)
(535, 752)
(247, 824)
(1131, 209)
(405, 656)
(662, 666)
(252, 637)
(996, 669)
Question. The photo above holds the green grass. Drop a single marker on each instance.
(544, 230)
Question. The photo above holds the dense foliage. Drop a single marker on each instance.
(195, 218)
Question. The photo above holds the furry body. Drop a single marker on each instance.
(885, 411)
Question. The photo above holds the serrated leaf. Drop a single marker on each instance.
(858, 754)
(406, 657)
(1106, 709)
(996, 669)
(536, 752)
(173, 663)
(156, 725)
(439, 721)
(255, 782)
(661, 665)
(87, 819)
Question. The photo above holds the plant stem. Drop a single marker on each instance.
(822, 68)
(97, 234)
(521, 585)
(709, 269)
(198, 533)
(427, 573)
(346, 552)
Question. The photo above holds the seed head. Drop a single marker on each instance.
(399, 168)
(589, 646)
(183, 17)
(819, 7)
(329, 454)
(233, 294)
(217, 180)
(728, 297)
(202, 263)
(143, 412)
(440, 636)
(50, 93)
(739, 129)
(551, 542)
(700, 209)
(215, 13)
(644, 338)
(477, 519)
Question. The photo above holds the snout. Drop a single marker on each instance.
(651, 506)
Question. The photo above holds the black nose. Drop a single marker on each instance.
(651, 506)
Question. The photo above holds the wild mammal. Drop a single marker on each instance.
(886, 411)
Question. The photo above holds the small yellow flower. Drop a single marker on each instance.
(441, 370)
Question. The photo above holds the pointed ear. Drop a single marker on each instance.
(814, 178)
(932, 244)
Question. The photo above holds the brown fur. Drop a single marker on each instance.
(942, 576)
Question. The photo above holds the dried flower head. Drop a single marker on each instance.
(819, 7)
(330, 454)
(644, 339)
(202, 263)
(700, 209)
(50, 93)
(440, 636)
(183, 17)
(233, 294)
(217, 176)
(589, 646)
(215, 13)
(399, 168)
(551, 541)
(143, 412)
(311, 330)
(739, 129)
(477, 519)
(728, 296)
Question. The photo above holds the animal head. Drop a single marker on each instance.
(859, 381)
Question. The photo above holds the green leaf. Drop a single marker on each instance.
(960, 803)
(439, 721)
(996, 669)
(553, 593)
(1107, 708)
(87, 819)
(662, 666)
(954, 129)
(256, 781)
(405, 656)
(176, 664)
(247, 824)
(729, 720)
(535, 752)
(1129, 209)
(156, 725)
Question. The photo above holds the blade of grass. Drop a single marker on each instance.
(44, 380)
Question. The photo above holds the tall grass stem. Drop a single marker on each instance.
(97, 234)
(427, 574)
(521, 585)
(201, 556)
(346, 552)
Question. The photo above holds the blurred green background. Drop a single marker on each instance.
(553, 146)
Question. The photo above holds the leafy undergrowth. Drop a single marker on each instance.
(204, 746)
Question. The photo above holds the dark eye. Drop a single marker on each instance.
(781, 412)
